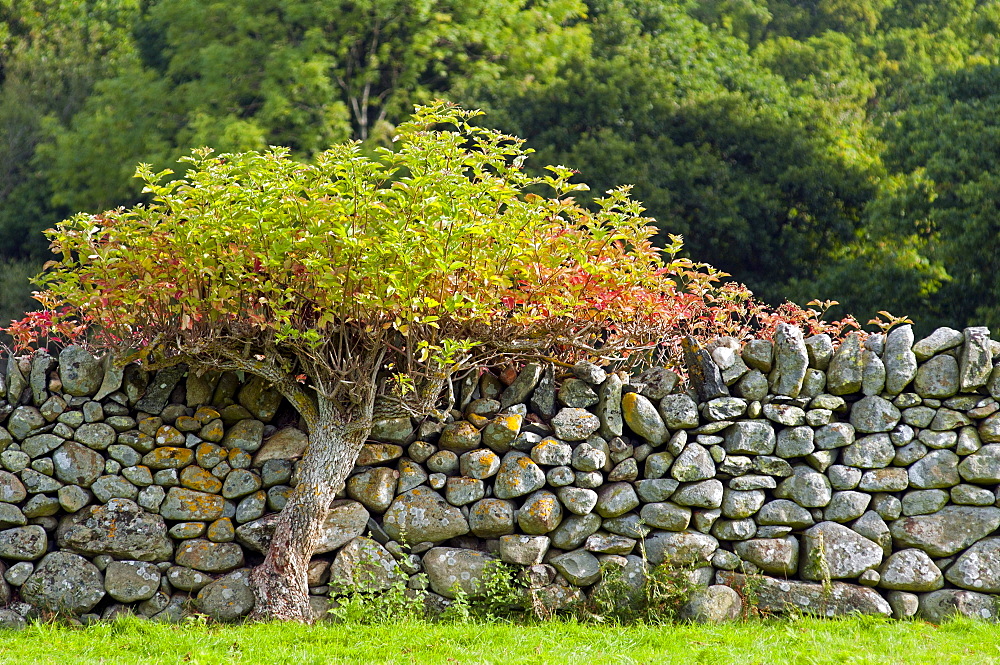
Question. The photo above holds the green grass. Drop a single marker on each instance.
(803, 641)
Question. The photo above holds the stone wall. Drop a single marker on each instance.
(862, 478)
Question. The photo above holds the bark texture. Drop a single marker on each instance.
(279, 583)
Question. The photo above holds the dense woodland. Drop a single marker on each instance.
(813, 149)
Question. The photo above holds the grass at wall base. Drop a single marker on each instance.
(855, 640)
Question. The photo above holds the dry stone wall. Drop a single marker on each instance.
(858, 478)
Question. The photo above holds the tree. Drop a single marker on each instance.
(358, 285)
(760, 178)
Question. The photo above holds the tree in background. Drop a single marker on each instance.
(758, 177)
(357, 286)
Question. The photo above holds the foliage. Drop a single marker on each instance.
(756, 178)
(311, 264)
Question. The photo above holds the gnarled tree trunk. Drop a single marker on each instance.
(280, 582)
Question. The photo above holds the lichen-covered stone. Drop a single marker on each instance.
(948, 531)
(119, 528)
(791, 360)
(227, 598)
(491, 518)
(64, 582)
(131, 581)
(186, 505)
(423, 515)
(778, 596)
(450, 569)
(518, 476)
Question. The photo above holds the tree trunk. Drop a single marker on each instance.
(280, 582)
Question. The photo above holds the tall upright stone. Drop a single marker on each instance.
(976, 360)
(847, 367)
(791, 360)
(899, 359)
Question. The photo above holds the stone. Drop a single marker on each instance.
(580, 567)
(833, 436)
(97, 436)
(704, 375)
(131, 581)
(975, 359)
(518, 476)
(884, 480)
(977, 568)
(899, 359)
(910, 570)
(574, 530)
(686, 548)
(374, 488)
(578, 424)
(750, 437)
(523, 550)
(247, 435)
(666, 515)
(774, 556)
(936, 469)
(480, 464)
(449, 569)
(715, 604)
(846, 506)
(693, 464)
(777, 596)
(251, 507)
(981, 467)
(946, 419)
(725, 408)
(948, 531)
(939, 606)
(64, 582)
(198, 479)
(110, 487)
(609, 406)
(970, 495)
(575, 393)
(443, 462)
(937, 377)
(40, 444)
(725, 529)
(168, 457)
(228, 598)
(872, 374)
(36, 482)
(188, 505)
(587, 457)
(12, 490)
(120, 528)
(80, 372)
(753, 386)
(805, 487)
(871, 452)
(627, 469)
(703, 494)
(522, 386)
(759, 354)
(460, 436)
(989, 429)
(422, 515)
(924, 502)
(604, 543)
(577, 500)
(77, 465)
(365, 565)
(209, 557)
(794, 442)
(940, 340)
(846, 370)
(791, 360)
(739, 504)
(656, 382)
(655, 489)
(543, 398)
(874, 414)
(285, 444)
(833, 551)
(677, 411)
(784, 512)
(644, 419)
(615, 499)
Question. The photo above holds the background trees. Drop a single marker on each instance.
(792, 143)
